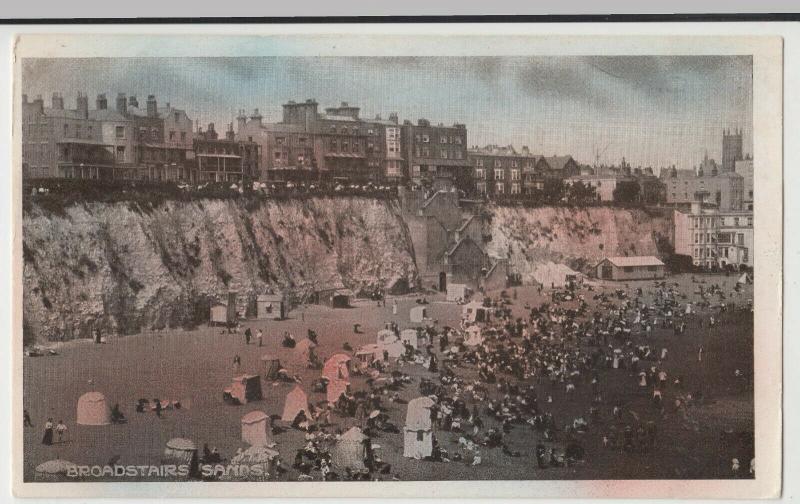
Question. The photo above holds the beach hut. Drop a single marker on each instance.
(223, 313)
(418, 431)
(475, 312)
(386, 336)
(457, 292)
(257, 463)
(270, 306)
(181, 451)
(255, 427)
(417, 339)
(418, 314)
(744, 279)
(352, 451)
(389, 342)
(93, 410)
(54, 471)
(369, 353)
(271, 366)
(244, 388)
(296, 401)
(474, 336)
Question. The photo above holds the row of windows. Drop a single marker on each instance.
(425, 152)
(498, 163)
(443, 139)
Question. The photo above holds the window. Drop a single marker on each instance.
(420, 436)
(183, 137)
(499, 174)
(627, 269)
(479, 162)
(277, 155)
(514, 174)
(443, 139)
(749, 222)
(499, 188)
(515, 188)
(459, 154)
(426, 139)
(171, 135)
(514, 163)
(498, 163)
(444, 153)
(280, 140)
(458, 140)
(66, 129)
(370, 132)
(480, 174)
(652, 268)
(120, 154)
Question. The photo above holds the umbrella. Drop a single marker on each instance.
(374, 414)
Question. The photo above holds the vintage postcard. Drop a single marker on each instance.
(403, 260)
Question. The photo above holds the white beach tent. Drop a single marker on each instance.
(296, 401)
(257, 463)
(337, 367)
(474, 312)
(93, 410)
(351, 451)
(304, 349)
(181, 451)
(255, 426)
(744, 279)
(418, 431)
(389, 342)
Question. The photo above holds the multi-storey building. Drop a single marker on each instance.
(744, 167)
(683, 187)
(65, 143)
(125, 142)
(731, 149)
(714, 238)
(499, 170)
(225, 159)
(431, 151)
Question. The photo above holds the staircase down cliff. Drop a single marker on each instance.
(125, 268)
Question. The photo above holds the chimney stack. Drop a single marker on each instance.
(257, 117)
(58, 102)
(152, 106)
(133, 101)
(122, 104)
(101, 103)
(241, 121)
(230, 135)
(83, 106)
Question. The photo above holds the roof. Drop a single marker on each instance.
(254, 416)
(418, 415)
(463, 226)
(623, 262)
(181, 444)
(92, 396)
(107, 115)
(557, 162)
(461, 242)
(270, 297)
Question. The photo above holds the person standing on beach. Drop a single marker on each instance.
(48, 432)
(27, 419)
(260, 337)
(61, 429)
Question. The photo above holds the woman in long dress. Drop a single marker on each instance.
(48, 432)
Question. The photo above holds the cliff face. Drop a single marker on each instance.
(578, 238)
(124, 269)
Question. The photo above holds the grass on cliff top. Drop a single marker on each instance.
(54, 196)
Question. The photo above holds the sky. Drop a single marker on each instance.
(653, 110)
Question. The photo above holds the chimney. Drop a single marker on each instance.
(241, 121)
(133, 101)
(257, 117)
(393, 117)
(83, 105)
(211, 133)
(152, 106)
(58, 102)
(230, 135)
(101, 103)
(122, 104)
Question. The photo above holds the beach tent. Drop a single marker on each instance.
(271, 366)
(304, 349)
(335, 389)
(474, 337)
(255, 426)
(475, 312)
(337, 367)
(54, 471)
(457, 292)
(744, 279)
(352, 450)
(257, 463)
(418, 314)
(296, 401)
(389, 342)
(418, 431)
(219, 314)
(245, 388)
(93, 410)
(181, 451)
